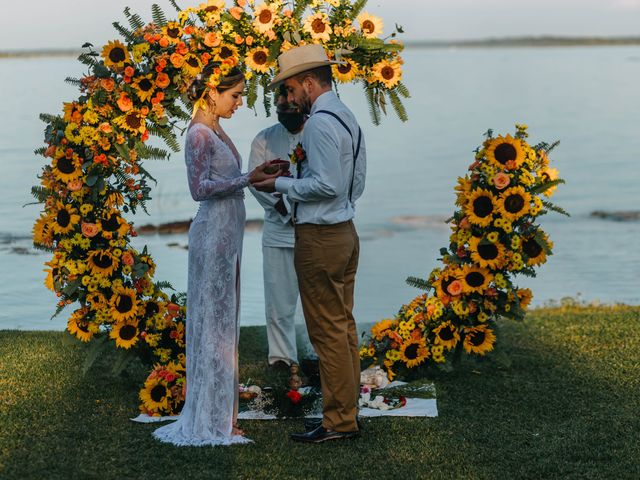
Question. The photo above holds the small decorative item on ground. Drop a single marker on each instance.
(134, 89)
(495, 236)
(380, 402)
(374, 377)
(248, 392)
(284, 402)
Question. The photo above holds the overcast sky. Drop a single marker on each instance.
(69, 23)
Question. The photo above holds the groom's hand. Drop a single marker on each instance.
(268, 185)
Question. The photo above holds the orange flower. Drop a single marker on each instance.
(455, 288)
(89, 229)
(105, 127)
(501, 180)
(464, 224)
(239, 40)
(211, 40)
(162, 81)
(124, 103)
(127, 258)
(164, 42)
(236, 12)
(287, 13)
(129, 71)
(173, 309)
(189, 29)
(75, 185)
(108, 84)
(176, 60)
(242, 3)
(249, 40)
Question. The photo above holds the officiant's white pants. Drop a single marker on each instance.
(280, 299)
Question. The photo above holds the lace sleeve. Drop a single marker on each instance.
(200, 152)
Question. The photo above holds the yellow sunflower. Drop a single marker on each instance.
(126, 334)
(534, 251)
(124, 304)
(463, 189)
(192, 65)
(102, 262)
(475, 279)
(144, 86)
(547, 174)
(79, 326)
(212, 10)
(414, 352)
(152, 308)
(480, 207)
(133, 121)
(113, 222)
(67, 169)
(65, 218)
(525, 296)
(346, 73)
(389, 73)
(446, 335)
(478, 339)
(226, 53)
(172, 31)
(487, 254)
(43, 231)
(258, 59)
(265, 16)
(378, 330)
(442, 282)
(317, 25)
(514, 203)
(505, 152)
(115, 55)
(96, 301)
(370, 25)
(155, 394)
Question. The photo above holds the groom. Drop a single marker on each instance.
(329, 181)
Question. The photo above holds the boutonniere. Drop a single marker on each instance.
(298, 154)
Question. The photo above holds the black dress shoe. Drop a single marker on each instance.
(313, 423)
(321, 434)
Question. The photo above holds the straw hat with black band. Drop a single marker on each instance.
(300, 59)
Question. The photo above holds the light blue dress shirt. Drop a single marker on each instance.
(322, 191)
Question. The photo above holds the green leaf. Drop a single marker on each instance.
(125, 33)
(543, 187)
(397, 105)
(95, 348)
(419, 283)
(554, 208)
(158, 15)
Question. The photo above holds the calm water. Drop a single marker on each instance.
(585, 97)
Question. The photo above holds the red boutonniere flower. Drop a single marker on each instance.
(298, 154)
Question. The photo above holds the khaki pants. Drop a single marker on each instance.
(326, 260)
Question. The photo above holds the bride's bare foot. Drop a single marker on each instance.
(237, 431)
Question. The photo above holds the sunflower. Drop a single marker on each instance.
(514, 203)
(172, 31)
(145, 87)
(226, 53)
(155, 394)
(379, 329)
(389, 73)
(265, 17)
(126, 334)
(525, 296)
(479, 339)
(414, 352)
(43, 231)
(65, 218)
(79, 326)
(370, 25)
(534, 251)
(548, 174)
(480, 206)
(446, 335)
(112, 222)
(115, 55)
(133, 121)
(152, 308)
(463, 189)
(67, 169)
(96, 300)
(475, 279)
(505, 152)
(317, 25)
(191, 65)
(446, 278)
(124, 304)
(486, 254)
(258, 59)
(212, 10)
(102, 262)
(346, 72)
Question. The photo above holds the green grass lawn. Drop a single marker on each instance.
(567, 406)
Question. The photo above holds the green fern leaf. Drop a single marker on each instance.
(158, 15)
(125, 33)
(397, 105)
(419, 283)
(554, 208)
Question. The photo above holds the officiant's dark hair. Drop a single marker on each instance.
(199, 85)
(322, 74)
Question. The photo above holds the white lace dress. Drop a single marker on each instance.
(213, 300)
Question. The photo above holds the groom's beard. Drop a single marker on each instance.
(305, 103)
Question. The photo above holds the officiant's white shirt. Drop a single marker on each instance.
(271, 143)
(322, 192)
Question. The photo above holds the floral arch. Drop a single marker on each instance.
(135, 89)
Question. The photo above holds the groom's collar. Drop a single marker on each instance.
(323, 101)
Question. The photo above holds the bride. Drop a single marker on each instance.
(215, 180)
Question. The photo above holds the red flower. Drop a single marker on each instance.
(294, 396)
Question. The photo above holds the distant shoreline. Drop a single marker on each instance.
(504, 42)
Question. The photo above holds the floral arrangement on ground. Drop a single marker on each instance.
(495, 236)
(135, 89)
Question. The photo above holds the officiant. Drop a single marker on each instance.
(280, 281)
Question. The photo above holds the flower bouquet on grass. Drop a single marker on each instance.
(495, 236)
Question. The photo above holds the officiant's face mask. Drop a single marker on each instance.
(289, 116)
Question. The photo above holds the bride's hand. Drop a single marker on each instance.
(258, 174)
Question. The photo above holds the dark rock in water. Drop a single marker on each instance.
(628, 216)
(183, 227)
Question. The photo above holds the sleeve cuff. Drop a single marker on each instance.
(283, 184)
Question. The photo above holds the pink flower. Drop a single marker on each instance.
(455, 288)
(501, 180)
